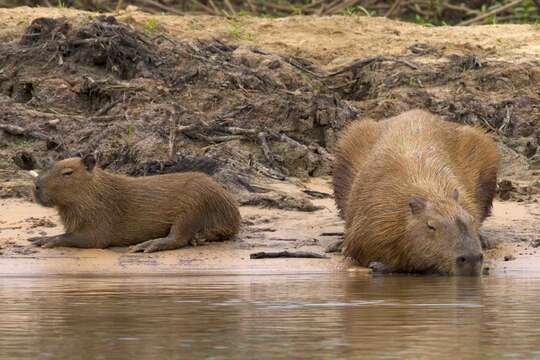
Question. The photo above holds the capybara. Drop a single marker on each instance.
(413, 191)
(162, 212)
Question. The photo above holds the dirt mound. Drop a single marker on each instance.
(146, 104)
(152, 104)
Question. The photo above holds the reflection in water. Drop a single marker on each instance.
(256, 317)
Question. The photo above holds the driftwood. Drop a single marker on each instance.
(337, 233)
(317, 194)
(287, 254)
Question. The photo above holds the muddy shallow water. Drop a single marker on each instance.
(293, 316)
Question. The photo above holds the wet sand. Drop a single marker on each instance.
(514, 226)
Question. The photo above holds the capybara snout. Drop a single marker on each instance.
(445, 231)
(469, 265)
(53, 187)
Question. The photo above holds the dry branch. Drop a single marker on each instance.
(287, 254)
(17, 130)
(392, 9)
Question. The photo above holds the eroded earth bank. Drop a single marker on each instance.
(258, 104)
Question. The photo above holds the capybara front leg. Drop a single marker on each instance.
(380, 268)
(68, 240)
(179, 236)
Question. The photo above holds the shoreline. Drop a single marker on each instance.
(513, 226)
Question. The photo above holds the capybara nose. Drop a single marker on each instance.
(470, 264)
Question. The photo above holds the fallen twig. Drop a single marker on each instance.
(363, 62)
(237, 130)
(10, 227)
(287, 254)
(219, 139)
(230, 7)
(393, 8)
(17, 130)
(105, 109)
(337, 233)
(317, 194)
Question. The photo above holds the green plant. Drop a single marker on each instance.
(150, 26)
(420, 20)
(20, 143)
(130, 134)
(526, 12)
(237, 31)
(61, 4)
(297, 10)
(267, 15)
(356, 10)
(492, 20)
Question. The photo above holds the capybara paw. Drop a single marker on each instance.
(380, 268)
(147, 247)
(40, 241)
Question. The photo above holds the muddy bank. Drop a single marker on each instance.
(513, 227)
(263, 229)
(258, 98)
(256, 103)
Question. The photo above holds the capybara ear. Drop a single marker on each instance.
(455, 195)
(417, 205)
(89, 162)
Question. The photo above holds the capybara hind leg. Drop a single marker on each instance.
(67, 240)
(179, 236)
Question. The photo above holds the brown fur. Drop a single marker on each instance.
(381, 166)
(100, 209)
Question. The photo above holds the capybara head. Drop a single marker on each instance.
(444, 236)
(59, 185)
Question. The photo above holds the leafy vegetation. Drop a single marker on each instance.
(425, 12)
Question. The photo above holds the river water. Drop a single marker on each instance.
(316, 316)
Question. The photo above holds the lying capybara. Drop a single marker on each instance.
(413, 191)
(100, 209)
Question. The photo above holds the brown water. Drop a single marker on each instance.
(277, 316)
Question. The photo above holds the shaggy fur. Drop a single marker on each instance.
(381, 166)
(100, 209)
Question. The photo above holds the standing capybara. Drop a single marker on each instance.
(100, 209)
(413, 191)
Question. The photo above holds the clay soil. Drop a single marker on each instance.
(258, 104)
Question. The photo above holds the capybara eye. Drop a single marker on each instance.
(431, 227)
(67, 172)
